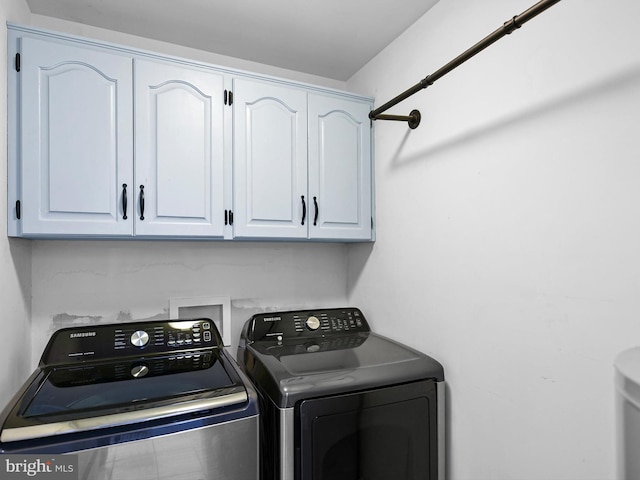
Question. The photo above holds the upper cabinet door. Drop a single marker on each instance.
(75, 140)
(339, 168)
(270, 160)
(179, 186)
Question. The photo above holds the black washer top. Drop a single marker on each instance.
(117, 377)
(291, 358)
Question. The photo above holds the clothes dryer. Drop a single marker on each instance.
(340, 402)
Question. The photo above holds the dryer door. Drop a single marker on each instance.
(375, 435)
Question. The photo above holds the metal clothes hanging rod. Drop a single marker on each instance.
(508, 27)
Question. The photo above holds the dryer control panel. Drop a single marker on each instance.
(102, 342)
(305, 323)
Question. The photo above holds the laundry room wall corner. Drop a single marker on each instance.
(15, 255)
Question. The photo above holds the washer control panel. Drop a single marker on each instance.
(100, 342)
(305, 323)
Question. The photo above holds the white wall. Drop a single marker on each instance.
(94, 281)
(508, 228)
(15, 273)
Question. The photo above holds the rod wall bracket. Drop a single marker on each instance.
(414, 119)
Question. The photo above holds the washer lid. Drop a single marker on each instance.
(74, 398)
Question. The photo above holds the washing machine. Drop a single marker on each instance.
(340, 402)
(144, 401)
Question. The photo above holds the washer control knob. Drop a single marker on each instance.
(313, 323)
(139, 338)
(139, 371)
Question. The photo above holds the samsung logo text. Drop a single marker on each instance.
(82, 334)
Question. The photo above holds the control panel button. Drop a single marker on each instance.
(207, 336)
(139, 338)
(312, 323)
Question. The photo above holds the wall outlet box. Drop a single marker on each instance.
(218, 309)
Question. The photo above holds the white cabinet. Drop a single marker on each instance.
(77, 145)
(270, 160)
(107, 141)
(179, 151)
(302, 164)
(340, 170)
(75, 140)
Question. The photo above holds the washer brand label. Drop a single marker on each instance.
(51, 467)
(272, 319)
(82, 334)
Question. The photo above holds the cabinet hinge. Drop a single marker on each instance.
(228, 217)
(18, 210)
(17, 62)
(228, 97)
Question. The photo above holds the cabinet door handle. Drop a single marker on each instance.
(141, 202)
(304, 211)
(124, 201)
(315, 216)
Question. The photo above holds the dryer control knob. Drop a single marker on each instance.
(139, 371)
(139, 338)
(313, 323)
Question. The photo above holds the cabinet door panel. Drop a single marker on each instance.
(76, 140)
(179, 150)
(340, 168)
(178, 139)
(270, 165)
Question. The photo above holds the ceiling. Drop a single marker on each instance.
(329, 38)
